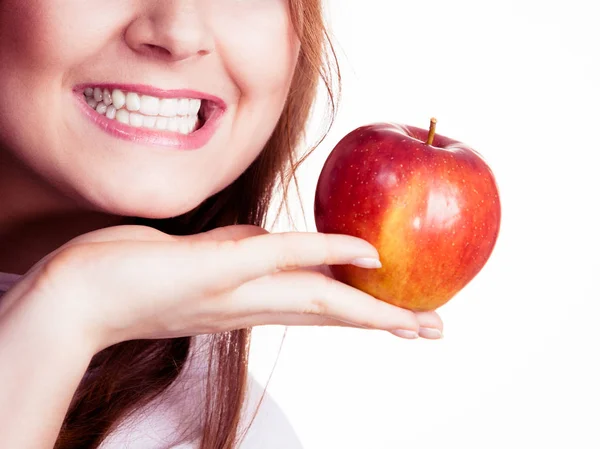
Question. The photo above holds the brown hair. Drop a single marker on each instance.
(131, 374)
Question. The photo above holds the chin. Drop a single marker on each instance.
(145, 203)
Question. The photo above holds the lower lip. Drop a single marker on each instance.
(142, 136)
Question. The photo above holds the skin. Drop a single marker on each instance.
(62, 179)
(241, 51)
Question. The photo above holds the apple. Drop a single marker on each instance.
(429, 204)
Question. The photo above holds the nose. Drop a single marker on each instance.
(173, 30)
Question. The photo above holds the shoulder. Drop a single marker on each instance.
(271, 429)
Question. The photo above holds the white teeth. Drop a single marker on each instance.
(123, 116)
(161, 123)
(173, 124)
(136, 119)
(191, 123)
(168, 107)
(111, 112)
(118, 98)
(132, 102)
(101, 108)
(194, 107)
(149, 105)
(130, 108)
(183, 106)
(184, 126)
(107, 97)
(149, 121)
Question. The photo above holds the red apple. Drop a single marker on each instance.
(428, 203)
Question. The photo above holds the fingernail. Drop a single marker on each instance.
(431, 333)
(366, 262)
(405, 334)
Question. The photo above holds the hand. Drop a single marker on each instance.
(135, 282)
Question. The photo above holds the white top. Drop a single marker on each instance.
(164, 423)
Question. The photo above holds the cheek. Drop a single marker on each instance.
(260, 50)
(25, 33)
(45, 34)
(53, 39)
(44, 46)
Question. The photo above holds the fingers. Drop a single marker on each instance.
(315, 296)
(430, 325)
(292, 319)
(261, 255)
(233, 232)
(123, 232)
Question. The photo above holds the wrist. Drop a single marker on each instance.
(42, 363)
(49, 320)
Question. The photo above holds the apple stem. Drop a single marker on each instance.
(432, 124)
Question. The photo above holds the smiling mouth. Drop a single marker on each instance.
(177, 115)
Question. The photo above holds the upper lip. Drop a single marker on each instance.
(155, 91)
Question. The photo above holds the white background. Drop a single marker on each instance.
(518, 367)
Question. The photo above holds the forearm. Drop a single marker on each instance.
(42, 361)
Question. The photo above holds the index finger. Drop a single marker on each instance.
(254, 257)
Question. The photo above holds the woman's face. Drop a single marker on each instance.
(135, 149)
